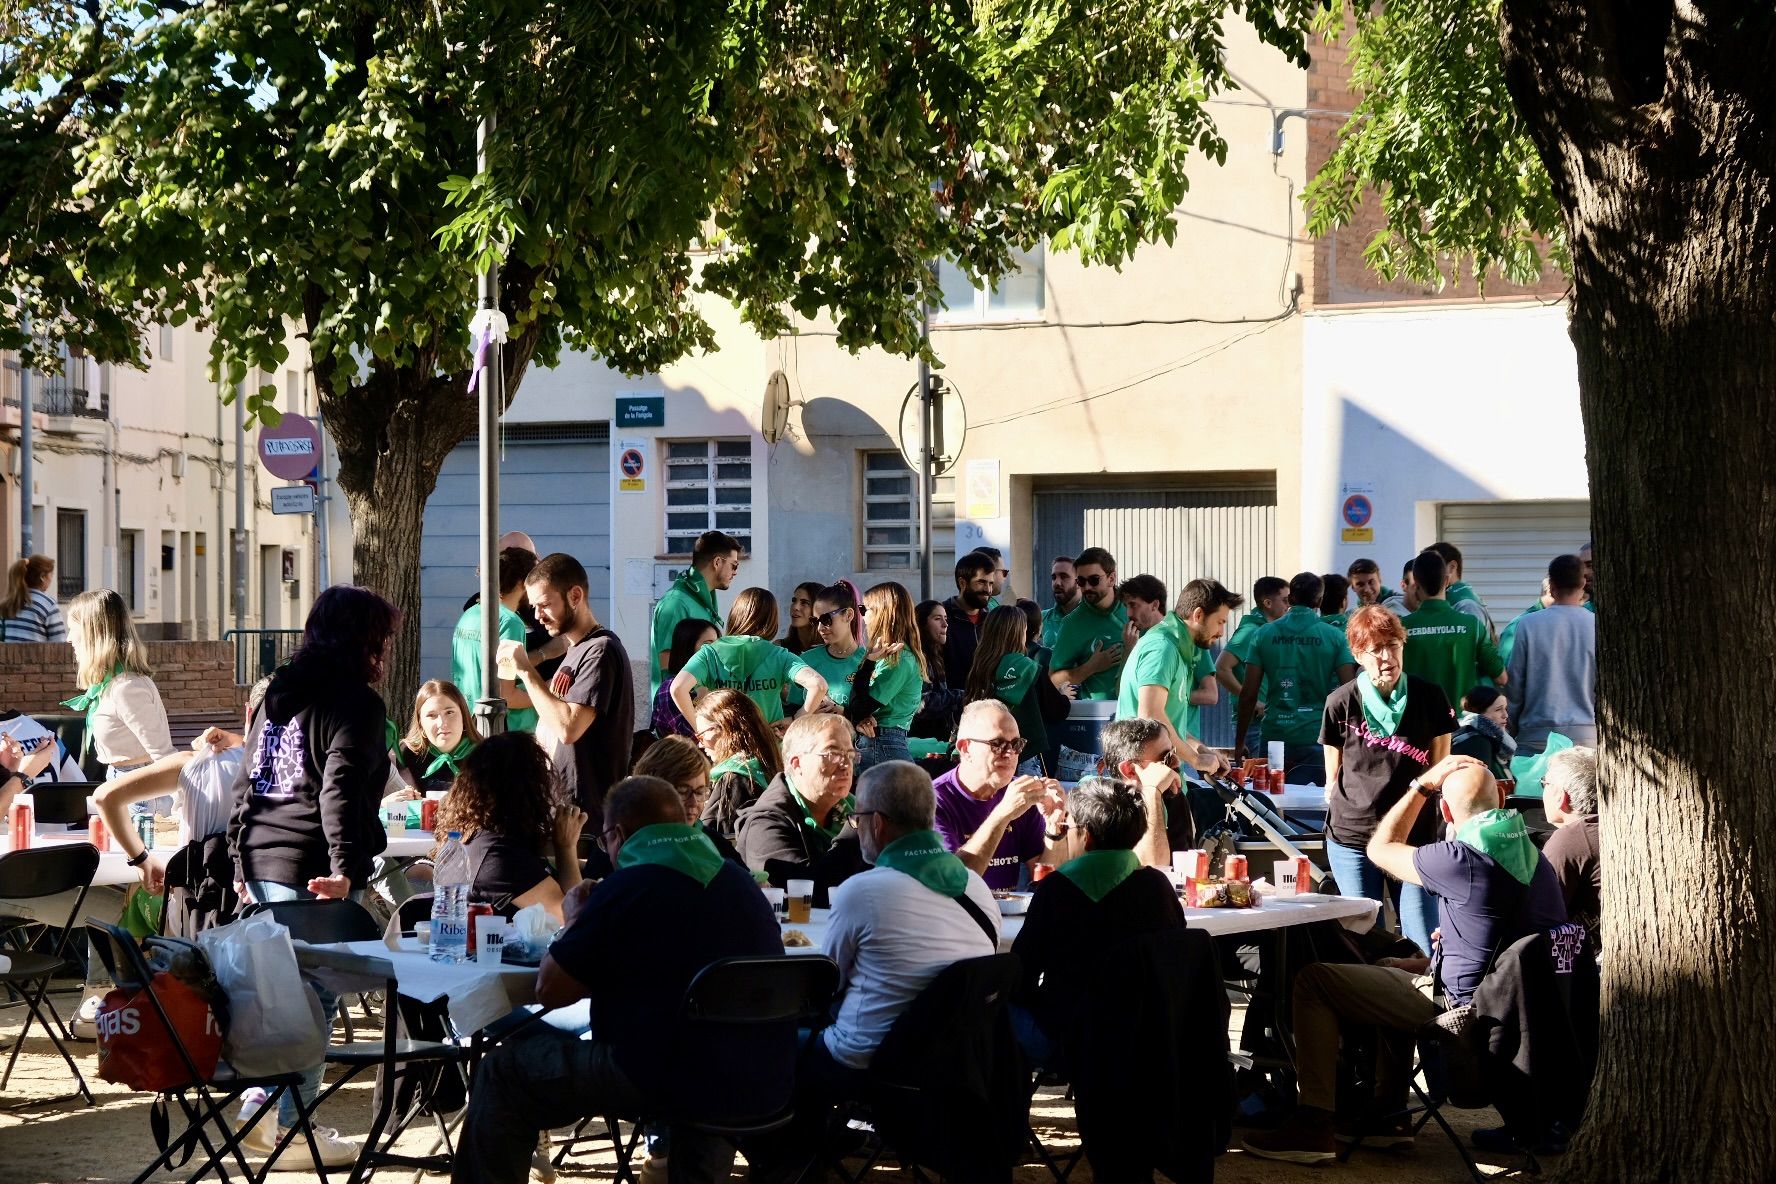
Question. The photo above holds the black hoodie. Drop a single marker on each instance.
(306, 801)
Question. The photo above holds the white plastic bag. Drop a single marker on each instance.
(275, 1024)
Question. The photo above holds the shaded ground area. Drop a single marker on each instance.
(65, 1143)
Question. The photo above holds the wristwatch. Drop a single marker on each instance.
(139, 860)
(1424, 791)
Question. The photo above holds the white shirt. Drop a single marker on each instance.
(891, 936)
(129, 724)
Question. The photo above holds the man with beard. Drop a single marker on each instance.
(1065, 585)
(1158, 678)
(1090, 647)
(967, 609)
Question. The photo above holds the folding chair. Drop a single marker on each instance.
(202, 1102)
(33, 874)
(734, 993)
(392, 1057)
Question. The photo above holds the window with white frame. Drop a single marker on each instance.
(708, 487)
(1019, 293)
(890, 528)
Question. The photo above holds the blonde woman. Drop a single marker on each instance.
(897, 684)
(29, 612)
(126, 724)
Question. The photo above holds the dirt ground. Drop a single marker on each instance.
(68, 1142)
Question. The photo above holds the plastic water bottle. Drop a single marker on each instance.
(450, 902)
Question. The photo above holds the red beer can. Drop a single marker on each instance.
(1276, 781)
(1235, 868)
(476, 910)
(1040, 872)
(428, 815)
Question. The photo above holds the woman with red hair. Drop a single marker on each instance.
(1380, 731)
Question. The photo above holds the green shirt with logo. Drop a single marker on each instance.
(1085, 629)
(1300, 655)
(1051, 623)
(1245, 635)
(1450, 648)
(756, 667)
(465, 661)
(838, 672)
(1166, 656)
(689, 598)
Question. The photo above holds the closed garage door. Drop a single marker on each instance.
(1176, 534)
(554, 486)
(1506, 546)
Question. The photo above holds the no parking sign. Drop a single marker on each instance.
(1355, 514)
(631, 469)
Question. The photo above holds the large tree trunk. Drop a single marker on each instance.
(1660, 135)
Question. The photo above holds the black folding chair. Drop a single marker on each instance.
(33, 874)
(741, 992)
(204, 1103)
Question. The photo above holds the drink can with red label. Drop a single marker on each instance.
(428, 815)
(1235, 868)
(1040, 872)
(96, 833)
(476, 910)
(1276, 781)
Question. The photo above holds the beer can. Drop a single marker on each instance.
(428, 815)
(145, 830)
(1235, 869)
(1276, 781)
(1041, 871)
(476, 910)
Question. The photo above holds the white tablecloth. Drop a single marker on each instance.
(1276, 912)
(114, 871)
(476, 995)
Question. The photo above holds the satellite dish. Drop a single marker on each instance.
(774, 415)
(949, 426)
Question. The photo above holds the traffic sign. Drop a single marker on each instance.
(633, 467)
(1357, 511)
(292, 499)
(291, 449)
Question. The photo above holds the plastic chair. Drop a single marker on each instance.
(33, 874)
(740, 992)
(202, 1102)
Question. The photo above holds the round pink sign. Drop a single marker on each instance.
(292, 449)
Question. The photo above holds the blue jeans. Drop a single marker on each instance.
(1356, 876)
(268, 892)
(888, 744)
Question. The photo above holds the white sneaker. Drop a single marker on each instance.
(263, 1137)
(335, 1152)
(654, 1170)
(85, 1024)
(541, 1166)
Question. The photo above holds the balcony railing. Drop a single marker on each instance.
(53, 394)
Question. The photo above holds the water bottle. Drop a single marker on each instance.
(450, 902)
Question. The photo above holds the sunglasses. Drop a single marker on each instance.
(852, 822)
(1092, 581)
(826, 619)
(1001, 748)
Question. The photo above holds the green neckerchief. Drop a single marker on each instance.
(1014, 678)
(451, 760)
(88, 701)
(923, 856)
(698, 589)
(675, 845)
(1502, 835)
(844, 808)
(741, 763)
(391, 735)
(1383, 714)
(1098, 872)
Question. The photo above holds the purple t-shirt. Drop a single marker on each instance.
(960, 814)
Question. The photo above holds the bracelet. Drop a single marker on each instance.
(139, 860)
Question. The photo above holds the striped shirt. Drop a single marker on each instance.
(40, 620)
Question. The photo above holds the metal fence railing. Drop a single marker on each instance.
(257, 652)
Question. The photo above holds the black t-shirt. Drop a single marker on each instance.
(1573, 852)
(598, 677)
(416, 762)
(1375, 770)
(1482, 908)
(1066, 930)
(503, 869)
(641, 938)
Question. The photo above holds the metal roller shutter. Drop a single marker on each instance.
(1506, 546)
(554, 486)
(1176, 534)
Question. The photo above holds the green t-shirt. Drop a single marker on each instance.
(1245, 634)
(754, 666)
(898, 688)
(1205, 668)
(465, 661)
(838, 672)
(1450, 648)
(689, 598)
(1051, 623)
(1081, 632)
(1300, 655)
(1166, 656)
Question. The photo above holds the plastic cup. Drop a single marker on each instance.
(422, 932)
(1274, 750)
(775, 897)
(801, 901)
(1283, 876)
(491, 935)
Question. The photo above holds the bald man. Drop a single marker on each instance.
(1492, 888)
(632, 944)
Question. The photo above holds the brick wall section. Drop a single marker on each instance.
(191, 675)
(1336, 272)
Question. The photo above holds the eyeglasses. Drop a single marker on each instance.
(825, 619)
(1092, 581)
(1001, 748)
(605, 835)
(838, 759)
(856, 814)
(1171, 760)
